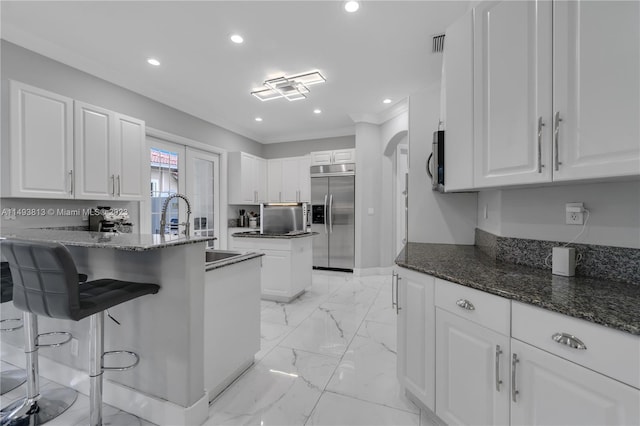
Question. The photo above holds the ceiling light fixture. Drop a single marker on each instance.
(258, 118)
(386, 101)
(351, 6)
(292, 88)
(236, 38)
(317, 111)
(153, 61)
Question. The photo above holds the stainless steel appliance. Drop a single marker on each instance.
(437, 172)
(283, 218)
(333, 216)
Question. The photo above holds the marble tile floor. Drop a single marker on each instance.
(77, 414)
(327, 358)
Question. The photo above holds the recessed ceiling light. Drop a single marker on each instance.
(317, 111)
(153, 61)
(386, 101)
(258, 118)
(351, 6)
(236, 38)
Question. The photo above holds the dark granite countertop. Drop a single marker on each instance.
(231, 261)
(257, 234)
(605, 302)
(112, 240)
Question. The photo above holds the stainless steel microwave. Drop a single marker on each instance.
(435, 162)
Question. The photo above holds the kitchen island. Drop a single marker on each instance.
(167, 330)
(287, 261)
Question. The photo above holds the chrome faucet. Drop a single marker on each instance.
(163, 218)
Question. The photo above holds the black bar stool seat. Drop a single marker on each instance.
(45, 282)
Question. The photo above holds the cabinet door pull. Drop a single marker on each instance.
(569, 340)
(540, 126)
(556, 136)
(398, 294)
(280, 196)
(393, 283)
(465, 304)
(71, 182)
(498, 381)
(113, 185)
(514, 391)
(118, 185)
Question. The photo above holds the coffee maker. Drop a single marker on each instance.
(105, 219)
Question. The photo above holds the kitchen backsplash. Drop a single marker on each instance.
(613, 263)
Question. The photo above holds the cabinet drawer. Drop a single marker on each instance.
(483, 308)
(611, 352)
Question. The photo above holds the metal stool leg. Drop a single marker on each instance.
(11, 379)
(37, 408)
(96, 370)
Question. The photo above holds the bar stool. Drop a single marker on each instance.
(9, 379)
(45, 283)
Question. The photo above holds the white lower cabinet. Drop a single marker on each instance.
(549, 390)
(416, 335)
(472, 370)
(286, 264)
(478, 359)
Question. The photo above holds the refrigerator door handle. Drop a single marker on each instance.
(325, 214)
(331, 214)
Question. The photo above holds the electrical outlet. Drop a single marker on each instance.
(574, 214)
(74, 346)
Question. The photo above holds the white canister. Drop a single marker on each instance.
(253, 222)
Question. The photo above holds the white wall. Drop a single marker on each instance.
(539, 213)
(433, 217)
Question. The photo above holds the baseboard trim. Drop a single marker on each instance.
(150, 408)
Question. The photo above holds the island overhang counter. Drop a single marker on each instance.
(166, 329)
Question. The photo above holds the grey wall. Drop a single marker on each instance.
(539, 213)
(31, 68)
(433, 217)
(299, 148)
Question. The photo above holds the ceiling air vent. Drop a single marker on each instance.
(438, 43)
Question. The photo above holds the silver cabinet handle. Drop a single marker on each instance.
(514, 391)
(556, 136)
(113, 185)
(71, 182)
(569, 340)
(280, 196)
(540, 126)
(118, 185)
(498, 381)
(398, 294)
(393, 283)
(465, 304)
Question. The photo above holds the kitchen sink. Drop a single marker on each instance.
(212, 256)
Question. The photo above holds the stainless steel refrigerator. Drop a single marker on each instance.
(333, 216)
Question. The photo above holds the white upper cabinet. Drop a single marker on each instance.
(61, 148)
(247, 178)
(108, 154)
(39, 163)
(457, 104)
(339, 156)
(274, 180)
(596, 87)
(289, 180)
(556, 91)
(512, 92)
